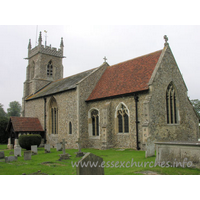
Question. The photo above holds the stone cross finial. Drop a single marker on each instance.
(105, 58)
(166, 40)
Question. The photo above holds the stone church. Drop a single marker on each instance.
(118, 106)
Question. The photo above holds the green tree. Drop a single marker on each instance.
(14, 109)
(2, 112)
(3, 133)
(196, 105)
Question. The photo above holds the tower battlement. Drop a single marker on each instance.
(45, 49)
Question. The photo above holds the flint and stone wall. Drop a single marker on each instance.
(187, 127)
(67, 106)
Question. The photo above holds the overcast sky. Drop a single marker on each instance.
(85, 46)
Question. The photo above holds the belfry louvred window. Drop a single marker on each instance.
(123, 119)
(171, 104)
(50, 69)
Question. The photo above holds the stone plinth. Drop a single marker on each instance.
(185, 153)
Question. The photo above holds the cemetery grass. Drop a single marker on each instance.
(47, 163)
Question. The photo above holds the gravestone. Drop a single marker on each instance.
(150, 148)
(47, 148)
(11, 153)
(2, 155)
(34, 149)
(79, 153)
(17, 151)
(90, 164)
(10, 158)
(27, 155)
(65, 155)
(59, 147)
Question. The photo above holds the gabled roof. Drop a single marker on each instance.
(60, 85)
(126, 77)
(25, 124)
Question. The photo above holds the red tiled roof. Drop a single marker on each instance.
(126, 77)
(26, 124)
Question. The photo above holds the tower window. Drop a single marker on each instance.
(50, 69)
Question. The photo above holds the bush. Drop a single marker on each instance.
(25, 141)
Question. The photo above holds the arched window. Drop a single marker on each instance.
(50, 69)
(171, 104)
(53, 109)
(122, 119)
(95, 122)
(70, 128)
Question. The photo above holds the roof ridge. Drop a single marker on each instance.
(134, 58)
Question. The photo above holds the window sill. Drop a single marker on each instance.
(123, 133)
(173, 124)
(94, 137)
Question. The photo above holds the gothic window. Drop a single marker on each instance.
(50, 69)
(70, 128)
(171, 104)
(95, 122)
(53, 110)
(122, 119)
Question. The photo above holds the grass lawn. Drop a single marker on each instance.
(49, 164)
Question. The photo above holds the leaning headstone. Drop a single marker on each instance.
(17, 151)
(79, 153)
(34, 149)
(47, 148)
(90, 164)
(59, 147)
(27, 155)
(10, 158)
(150, 148)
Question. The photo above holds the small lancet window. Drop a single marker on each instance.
(70, 128)
(50, 69)
(171, 104)
(95, 122)
(123, 119)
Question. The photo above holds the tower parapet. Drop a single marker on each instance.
(52, 51)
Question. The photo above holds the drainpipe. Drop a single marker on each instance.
(45, 115)
(136, 120)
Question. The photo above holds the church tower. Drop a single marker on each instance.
(44, 66)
